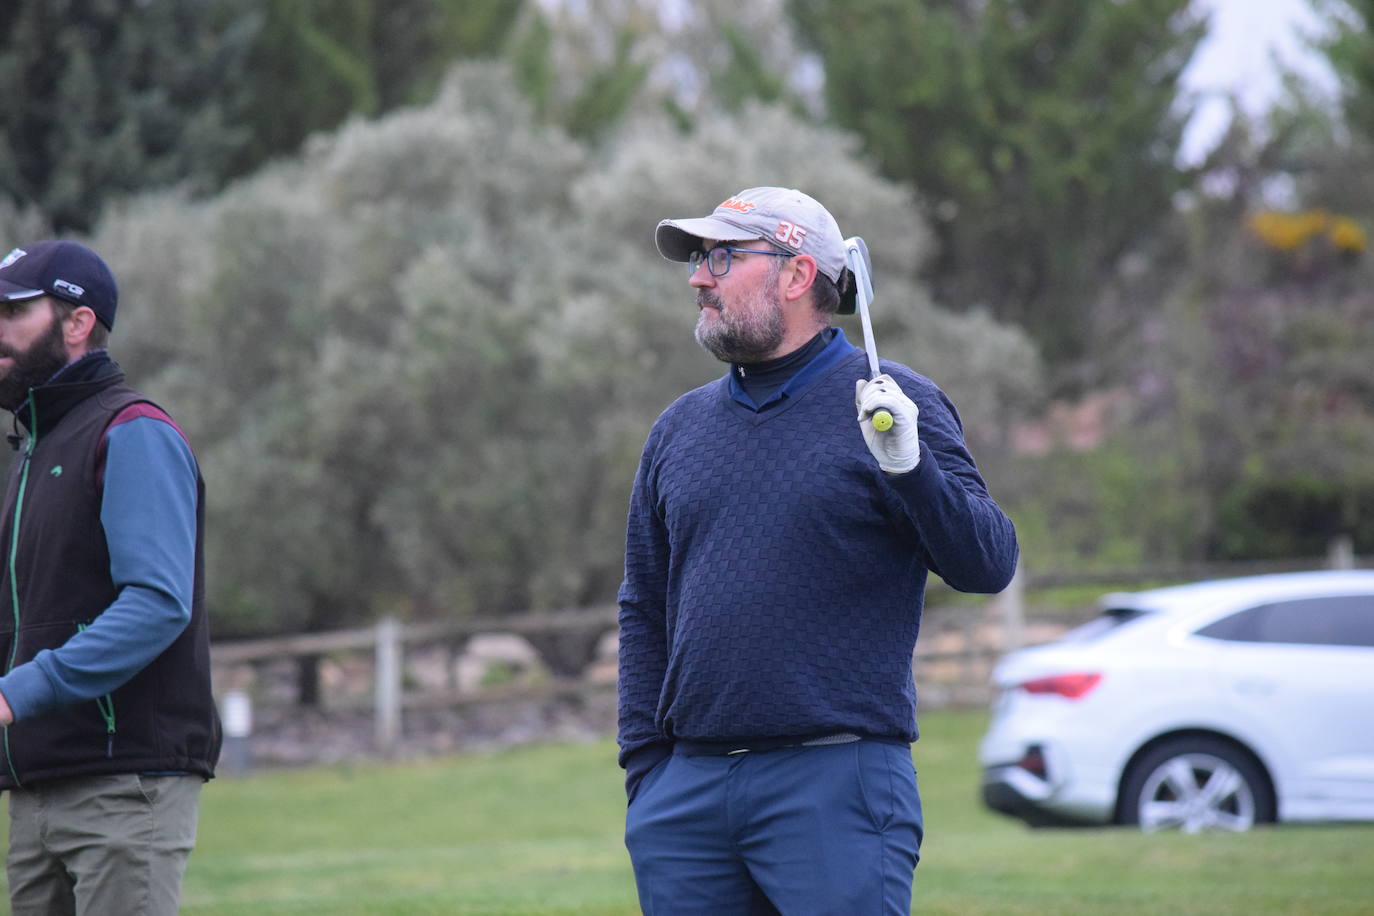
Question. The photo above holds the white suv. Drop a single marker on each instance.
(1216, 705)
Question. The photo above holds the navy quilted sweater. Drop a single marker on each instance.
(774, 575)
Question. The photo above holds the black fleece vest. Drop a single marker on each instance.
(58, 566)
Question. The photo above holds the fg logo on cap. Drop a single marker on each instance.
(70, 289)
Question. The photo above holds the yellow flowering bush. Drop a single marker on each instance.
(1291, 232)
(1346, 234)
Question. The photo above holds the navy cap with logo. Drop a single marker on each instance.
(68, 270)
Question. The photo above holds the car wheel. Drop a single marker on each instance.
(1195, 784)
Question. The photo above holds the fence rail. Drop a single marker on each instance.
(956, 652)
(365, 638)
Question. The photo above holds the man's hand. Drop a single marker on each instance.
(6, 714)
(898, 450)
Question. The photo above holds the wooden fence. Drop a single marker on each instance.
(561, 638)
(959, 645)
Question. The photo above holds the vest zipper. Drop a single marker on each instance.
(107, 712)
(14, 549)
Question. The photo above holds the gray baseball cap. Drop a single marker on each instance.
(784, 216)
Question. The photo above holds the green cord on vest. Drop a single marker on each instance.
(14, 532)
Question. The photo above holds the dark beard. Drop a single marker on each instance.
(32, 367)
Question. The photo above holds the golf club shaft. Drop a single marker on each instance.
(882, 418)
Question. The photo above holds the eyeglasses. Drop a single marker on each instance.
(718, 258)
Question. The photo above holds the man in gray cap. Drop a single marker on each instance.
(776, 557)
(110, 726)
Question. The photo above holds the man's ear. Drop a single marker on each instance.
(798, 276)
(78, 326)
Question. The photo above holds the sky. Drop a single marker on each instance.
(1236, 57)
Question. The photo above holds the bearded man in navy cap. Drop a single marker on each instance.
(775, 564)
(110, 726)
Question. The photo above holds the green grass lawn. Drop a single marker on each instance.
(538, 830)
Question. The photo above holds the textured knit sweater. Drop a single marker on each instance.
(774, 575)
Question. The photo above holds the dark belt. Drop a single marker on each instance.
(759, 745)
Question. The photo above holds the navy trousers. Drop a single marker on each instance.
(798, 831)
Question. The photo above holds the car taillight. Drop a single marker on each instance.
(1070, 686)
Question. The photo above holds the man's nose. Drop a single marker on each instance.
(701, 277)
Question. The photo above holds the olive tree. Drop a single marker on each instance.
(419, 360)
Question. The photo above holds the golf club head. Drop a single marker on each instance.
(856, 254)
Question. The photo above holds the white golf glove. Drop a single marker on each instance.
(898, 450)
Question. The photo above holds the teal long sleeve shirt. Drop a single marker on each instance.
(148, 511)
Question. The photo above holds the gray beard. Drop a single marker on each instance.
(747, 335)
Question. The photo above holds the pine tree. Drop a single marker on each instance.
(109, 96)
(1349, 46)
(1041, 136)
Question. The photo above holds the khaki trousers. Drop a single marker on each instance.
(107, 845)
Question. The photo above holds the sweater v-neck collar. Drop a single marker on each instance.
(737, 401)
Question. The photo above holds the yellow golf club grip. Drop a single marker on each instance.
(882, 420)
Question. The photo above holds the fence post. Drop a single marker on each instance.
(388, 686)
(1013, 604)
(236, 714)
(1340, 553)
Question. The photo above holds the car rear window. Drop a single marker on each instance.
(1111, 619)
